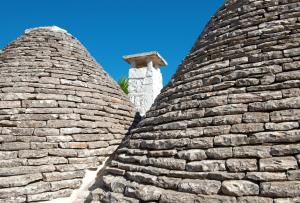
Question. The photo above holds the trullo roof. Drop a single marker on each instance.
(60, 113)
(226, 127)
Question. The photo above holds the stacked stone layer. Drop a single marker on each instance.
(60, 114)
(226, 127)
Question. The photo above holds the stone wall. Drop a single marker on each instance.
(226, 127)
(60, 114)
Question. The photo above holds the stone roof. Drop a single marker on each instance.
(226, 127)
(60, 113)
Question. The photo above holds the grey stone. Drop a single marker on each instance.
(239, 165)
(219, 153)
(50, 195)
(15, 181)
(201, 143)
(293, 175)
(47, 160)
(255, 117)
(8, 155)
(239, 188)
(32, 153)
(275, 137)
(266, 176)
(254, 199)
(169, 163)
(285, 115)
(56, 176)
(192, 155)
(208, 187)
(282, 150)
(230, 140)
(19, 170)
(247, 128)
(65, 184)
(282, 126)
(206, 165)
(280, 189)
(252, 151)
(278, 164)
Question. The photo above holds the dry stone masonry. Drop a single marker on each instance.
(226, 127)
(60, 114)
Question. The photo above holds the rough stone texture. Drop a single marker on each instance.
(60, 114)
(234, 97)
(144, 83)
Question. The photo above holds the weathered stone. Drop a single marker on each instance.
(9, 104)
(266, 176)
(62, 152)
(32, 153)
(33, 188)
(14, 146)
(71, 184)
(282, 150)
(115, 184)
(227, 120)
(282, 126)
(230, 140)
(280, 189)
(46, 132)
(246, 82)
(169, 163)
(56, 176)
(254, 199)
(273, 105)
(51, 89)
(226, 110)
(171, 196)
(8, 155)
(255, 117)
(285, 115)
(39, 103)
(276, 137)
(293, 175)
(216, 130)
(239, 188)
(47, 160)
(201, 143)
(208, 187)
(15, 181)
(50, 195)
(287, 200)
(278, 164)
(148, 193)
(219, 153)
(238, 165)
(192, 155)
(247, 128)
(252, 151)
(206, 165)
(156, 153)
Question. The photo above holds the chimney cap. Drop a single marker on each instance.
(142, 59)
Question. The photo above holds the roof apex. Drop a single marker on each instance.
(48, 28)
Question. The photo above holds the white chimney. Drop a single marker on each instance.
(145, 79)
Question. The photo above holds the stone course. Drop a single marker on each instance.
(60, 114)
(226, 126)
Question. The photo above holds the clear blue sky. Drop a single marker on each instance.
(110, 29)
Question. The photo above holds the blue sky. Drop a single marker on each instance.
(110, 29)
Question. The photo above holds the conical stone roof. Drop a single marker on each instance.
(226, 127)
(60, 113)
